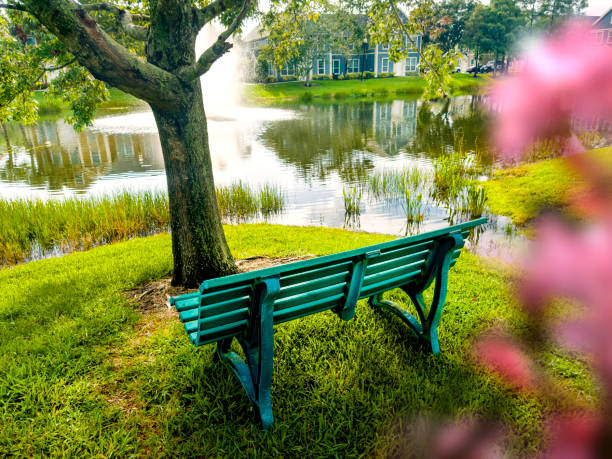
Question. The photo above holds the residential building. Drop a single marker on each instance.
(370, 58)
(602, 28)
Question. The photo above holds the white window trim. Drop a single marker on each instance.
(271, 69)
(288, 70)
(599, 35)
(382, 65)
(610, 36)
(352, 68)
(320, 63)
(412, 65)
(334, 66)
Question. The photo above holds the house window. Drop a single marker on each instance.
(599, 35)
(411, 65)
(336, 66)
(385, 65)
(271, 70)
(288, 70)
(610, 36)
(385, 47)
(352, 66)
(320, 66)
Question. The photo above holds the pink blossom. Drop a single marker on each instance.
(504, 357)
(570, 262)
(565, 76)
(573, 437)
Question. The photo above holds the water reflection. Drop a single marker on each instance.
(310, 151)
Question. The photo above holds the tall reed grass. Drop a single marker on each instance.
(352, 201)
(392, 183)
(31, 229)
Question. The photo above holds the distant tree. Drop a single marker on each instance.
(482, 31)
(452, 16)
(512, 19)
(554, 12)
(298, 35)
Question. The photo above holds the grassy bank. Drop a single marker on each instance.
(119, 100)
(82, 373)
(35, 229)
(294, 90)
(522, 192)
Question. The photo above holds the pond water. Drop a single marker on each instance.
(313, 152)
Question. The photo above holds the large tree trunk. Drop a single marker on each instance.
(198, 243)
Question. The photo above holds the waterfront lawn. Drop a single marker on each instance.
(118, 100)
(522, 192)
(83, 373)
(339, 89)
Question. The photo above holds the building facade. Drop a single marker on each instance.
(602, 28)
(371, 58)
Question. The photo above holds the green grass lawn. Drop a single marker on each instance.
(339, 89)
(522, 192)
(83, 373)
(119, 100)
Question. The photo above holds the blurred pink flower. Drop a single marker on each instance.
(573, 437)
(564, 76)
(569, 262)
(503, 356)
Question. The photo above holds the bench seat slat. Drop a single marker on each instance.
(304, 275)
(306, 309)
(183, 304)
(392, 254)
(222, 332)
(392, 273)
(226, 294)
(296, 300)
(212, 310)
(387, 284)
(376, 267)
(313, 285)
(224, 319)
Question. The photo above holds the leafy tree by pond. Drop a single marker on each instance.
(106, 42)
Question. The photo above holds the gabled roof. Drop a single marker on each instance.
(602, 16)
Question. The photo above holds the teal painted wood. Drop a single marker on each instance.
(247, 306)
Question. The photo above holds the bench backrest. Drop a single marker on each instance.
(221, 307)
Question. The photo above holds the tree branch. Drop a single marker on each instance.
(126, 19)
(414, 44)
(59, 67)
(216, 50)
(106, 59)
(214, 9)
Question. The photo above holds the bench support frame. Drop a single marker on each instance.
(255, 374)
(426, 326)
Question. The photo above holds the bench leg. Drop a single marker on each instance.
(255, 374)
(426, 327)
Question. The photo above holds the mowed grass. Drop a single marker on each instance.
(522, 192)
(293, 90)
(83, 374)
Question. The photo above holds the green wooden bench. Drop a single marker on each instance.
(247, 306)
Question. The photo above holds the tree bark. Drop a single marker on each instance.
(199, 247)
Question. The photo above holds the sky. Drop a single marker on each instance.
(598, 7)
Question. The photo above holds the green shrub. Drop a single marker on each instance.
(341, 77)
(288, 78)
(383, 75)
(306, 96)
(271, 79)
(391, 74)
(353, 76)
(368, 75)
